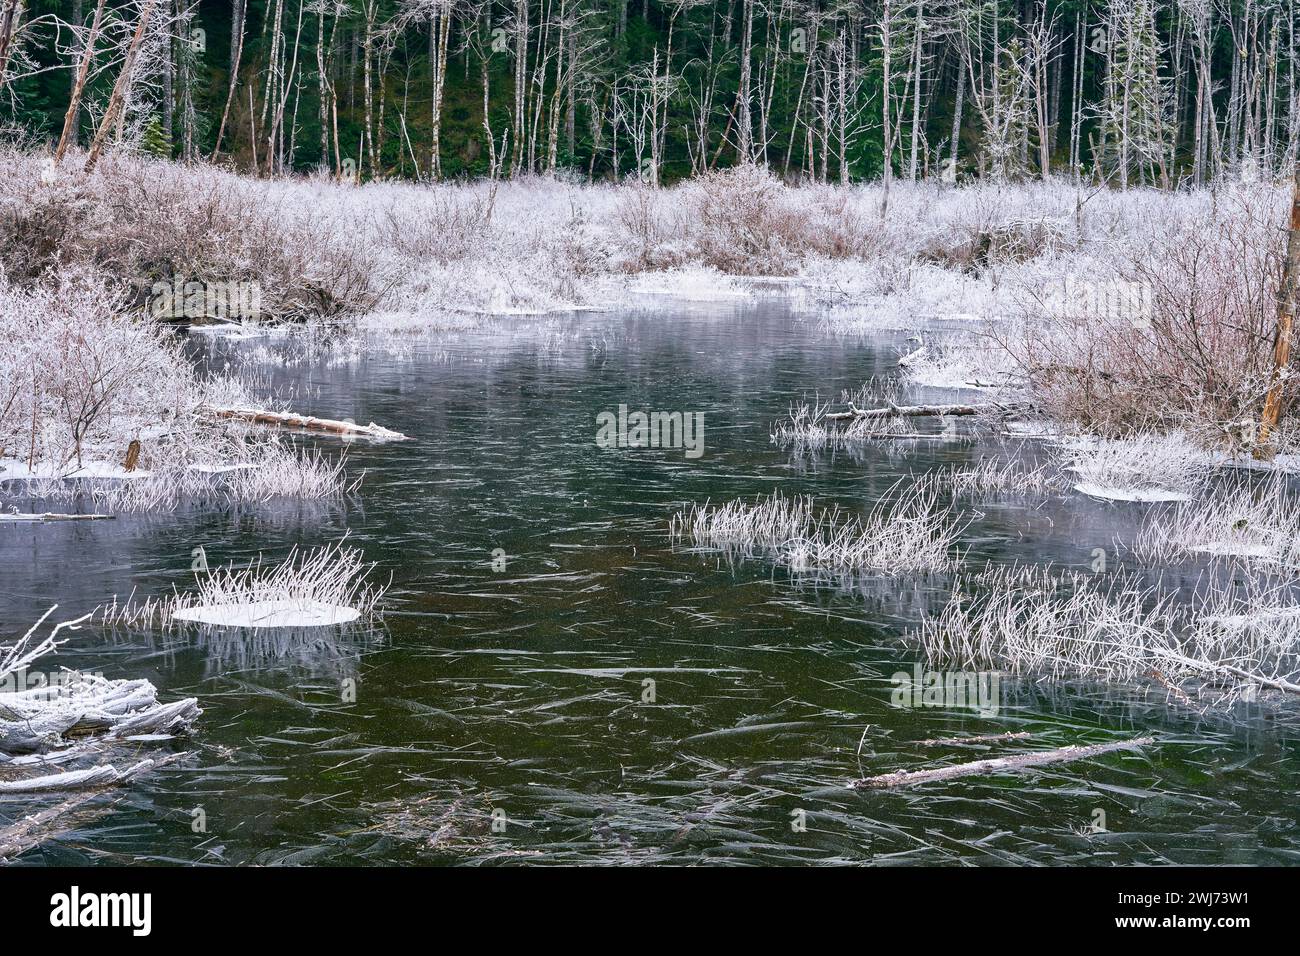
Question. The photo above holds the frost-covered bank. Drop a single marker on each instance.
(1111, 311)
(97, 401)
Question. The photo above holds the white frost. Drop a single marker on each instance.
(291, 613)
(1130, 494)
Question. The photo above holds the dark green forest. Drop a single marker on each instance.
(1132, 91)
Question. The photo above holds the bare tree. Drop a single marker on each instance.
(120, 88)
(83, 71)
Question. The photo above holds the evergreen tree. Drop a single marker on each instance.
(153, 141)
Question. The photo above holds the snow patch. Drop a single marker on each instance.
(286, 613)
(1130, 494)
(12, 469)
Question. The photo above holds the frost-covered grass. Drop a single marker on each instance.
(809, 430)
(993, 477)
(1245, 520)
(906, 531)
(292, 473)
(1033, 621)
(1139, 467)
(324, 586)
(1228, 643)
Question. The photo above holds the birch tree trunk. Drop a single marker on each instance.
(957, 104)
(886, 41)
(367, 56)
(916, 89)
(745, 134)
(8, 27)
(439, 35)
(169, 68)
(237, 50)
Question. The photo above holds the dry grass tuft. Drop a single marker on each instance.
(904, 532)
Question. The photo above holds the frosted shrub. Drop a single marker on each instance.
(448, 226)
(82, 378)
(648, 229)
(143, 222)
(1199, 356)
(76, 377)
(744, 221)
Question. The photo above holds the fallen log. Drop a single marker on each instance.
(44, 719)
(913, 356)
(34, 829)
(261, 416)
(913, 411)
(907, 778)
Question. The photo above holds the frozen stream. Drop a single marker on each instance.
(514, 691)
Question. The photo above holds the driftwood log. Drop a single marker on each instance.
(914, 411)
(260, 416)
(907, 778)
(102, 775)
(47, 718)
(74, 718)
(34, 829)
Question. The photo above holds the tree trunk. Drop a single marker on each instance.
(745, 140)
(1285, 323)
(237, 51)
(916, 90)
(118, 96)
(439, 37)
(169, 73)
(70, 119)
(886, 41)
(8, 27)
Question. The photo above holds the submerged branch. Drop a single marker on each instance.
(907, 778)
